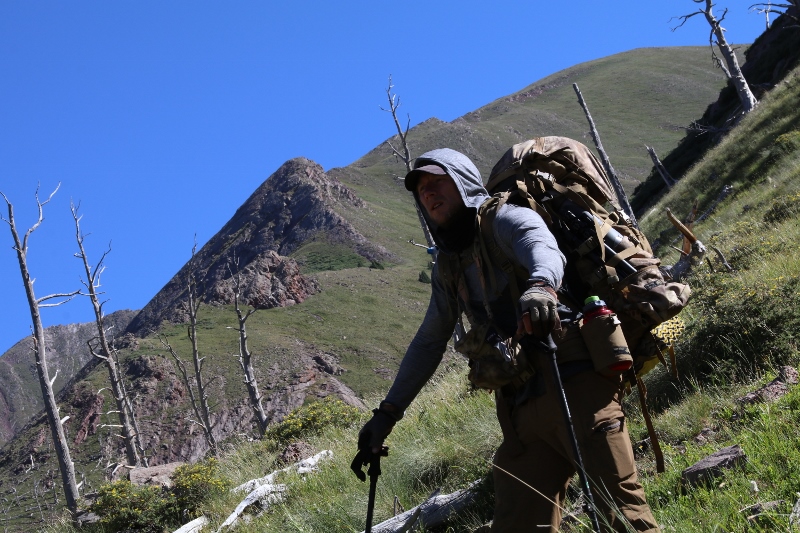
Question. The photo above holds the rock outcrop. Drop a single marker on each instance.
(296, 204)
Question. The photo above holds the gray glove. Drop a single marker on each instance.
(539, 315)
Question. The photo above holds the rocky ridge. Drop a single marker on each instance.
(294, 205)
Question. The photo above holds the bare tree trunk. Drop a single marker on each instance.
(101, 348)
(198, 399)
(731, 65)
(746, 96)
(245, 357)
(66, 467)
(612, 174)
(662, 171)
(405, 155)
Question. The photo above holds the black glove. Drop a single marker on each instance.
(374, 432)
(539, 315)
(371, 437)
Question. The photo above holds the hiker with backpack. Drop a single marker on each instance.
(509, 306)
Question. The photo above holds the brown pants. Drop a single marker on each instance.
(539, 454)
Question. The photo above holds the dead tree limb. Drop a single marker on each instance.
(434, 512)
(669, 181)
(731, 64)
(56, 423)
(196, 385)
(612, 174)
(405, 155)
(101, 348)
(768, 8)
(245, 357)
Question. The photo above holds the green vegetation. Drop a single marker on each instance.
(151, 509)
(311, 419)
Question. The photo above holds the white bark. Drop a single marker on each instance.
(103, 350)
(434, 512)
(731, 65)
(66, 467)
(194, 526)
(266, 492)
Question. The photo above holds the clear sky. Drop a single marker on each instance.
(161, 118)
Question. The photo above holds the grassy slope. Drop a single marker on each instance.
(448, 435)
(366, 317)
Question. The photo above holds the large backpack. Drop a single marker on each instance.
(562, 180)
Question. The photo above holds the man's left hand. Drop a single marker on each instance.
(539, 315)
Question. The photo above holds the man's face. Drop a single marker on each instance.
(439, 197)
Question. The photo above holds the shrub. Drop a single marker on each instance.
(196, 484)
(121, 505)
(783, 208)
(311, 418)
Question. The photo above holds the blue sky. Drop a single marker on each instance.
(161, 118)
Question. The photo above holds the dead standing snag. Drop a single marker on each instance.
(731, 64)
(66, 467)
(101, 348)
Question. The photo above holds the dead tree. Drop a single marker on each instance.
(612, 174)
(101, 348)
(54, 420)
(731, 64)
(245, 357)
(768, 8)
(659, 166)
(195, 384)
(405, 155)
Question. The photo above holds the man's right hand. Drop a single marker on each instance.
(539, 315)
(374, 432)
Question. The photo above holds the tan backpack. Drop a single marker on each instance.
(563, 181)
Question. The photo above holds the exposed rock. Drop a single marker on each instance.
(295, 205)
(756, 510)
(295, 452)
(712, 466)
(160, 475)
(90, 406)
(773, 390)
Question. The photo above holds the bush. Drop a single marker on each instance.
(783, 208)
(196, 484)
(312, 418)
(121, 505)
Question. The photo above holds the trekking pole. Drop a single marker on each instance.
(549, 347)
(374, 471)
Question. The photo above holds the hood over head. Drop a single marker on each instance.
(468, 181)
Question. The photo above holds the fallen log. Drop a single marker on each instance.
(434, 512)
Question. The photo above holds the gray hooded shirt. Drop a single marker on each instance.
(521, 234)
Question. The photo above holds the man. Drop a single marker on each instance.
(534, 464)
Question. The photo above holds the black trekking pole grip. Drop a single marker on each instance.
(366, 457)
(549, 347)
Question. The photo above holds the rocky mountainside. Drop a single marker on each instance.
(295, 205)
(20, 396)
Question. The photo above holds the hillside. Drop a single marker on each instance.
(20, 396)
(347, 247)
